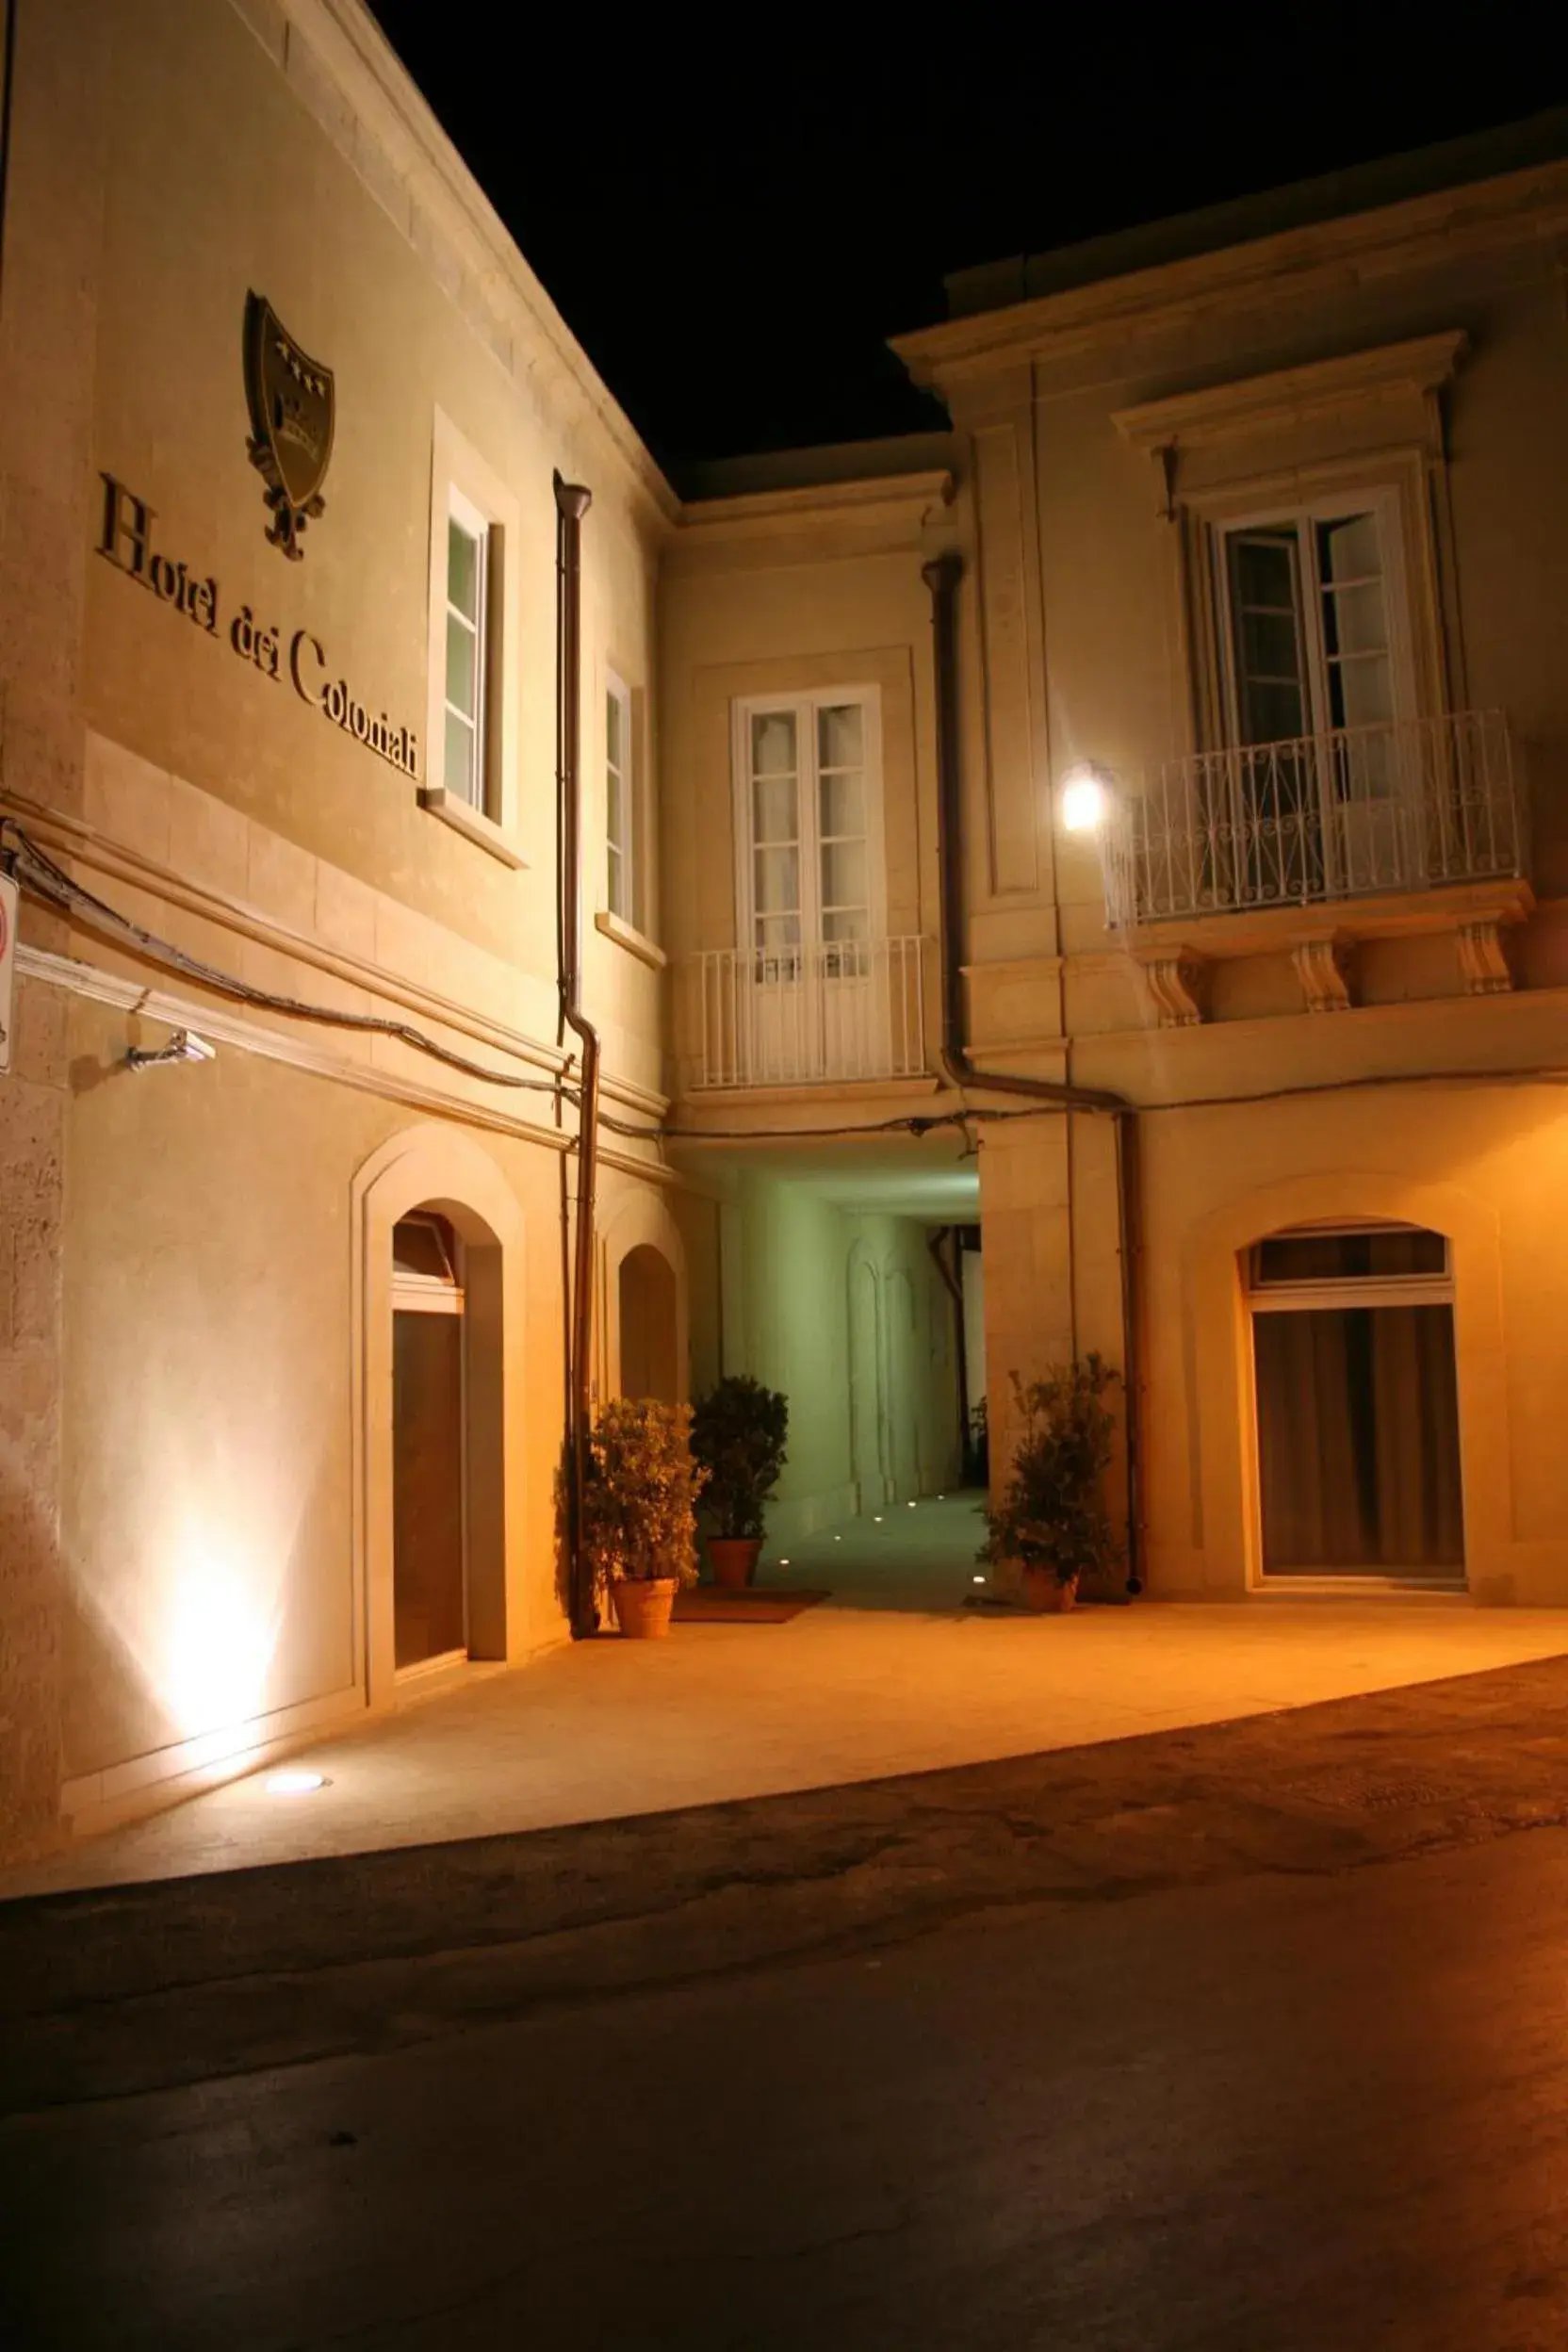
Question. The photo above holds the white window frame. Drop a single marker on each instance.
(1349, 1290)
(623, 851)
(806, 704)
(475, 527)
(1383, 502)
(464, 487)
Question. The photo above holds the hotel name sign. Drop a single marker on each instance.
(292, 403)
(126, 539)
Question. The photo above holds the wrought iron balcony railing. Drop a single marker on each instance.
(846, 1009)
(1348, 814)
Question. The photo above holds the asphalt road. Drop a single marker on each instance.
(1318, 2101)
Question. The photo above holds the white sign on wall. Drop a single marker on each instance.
(7, 966)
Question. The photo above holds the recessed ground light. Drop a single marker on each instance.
(911, 1506)
(295, 1782)
(941, 1498)
(783, 1563)
(977, 1579)
(838, 1538)
(877, 1517)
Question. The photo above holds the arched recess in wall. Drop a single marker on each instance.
(442, 1171)
(643, 1303)
(868, 1413)
(905, 1371)
(1222, 1451)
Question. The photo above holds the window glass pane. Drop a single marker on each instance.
(775, 803)
(612, 731)
(844, 806)
(1349, 550)
(613, 808)
(463, 569)
(778, 937)
(846, 923)
(777, 883)
(1357, 1441)
(1269, 647)
(615, 881)
(458, 771)
(1264, 569)
(773, 743)
(1362, 693)
(462, 666)
(1354, 620)
(423, 1245)
(1378, 1256)
(1271, 713)
(840, 735)
(844, 874)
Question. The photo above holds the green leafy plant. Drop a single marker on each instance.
(738, 1433)
(638, 1504)
(1052, 1512)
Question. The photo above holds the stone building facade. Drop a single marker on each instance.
(1248, 548)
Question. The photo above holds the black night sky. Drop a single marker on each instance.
(732, 210)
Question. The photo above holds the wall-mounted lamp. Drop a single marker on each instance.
(1085, 798)
(184, 1046)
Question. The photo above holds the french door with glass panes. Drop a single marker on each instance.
(1316, 677)
(811, 887)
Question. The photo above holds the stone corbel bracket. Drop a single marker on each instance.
(1323, 972)
(1177, 986)
(1483, 960)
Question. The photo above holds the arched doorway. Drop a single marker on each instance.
(648, 1299)
(439, 1414)
(867, 1404)
(430, 1581)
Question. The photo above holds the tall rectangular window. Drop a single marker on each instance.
(1308, 636)
(466, 746)
(619, 809)
(809, 801)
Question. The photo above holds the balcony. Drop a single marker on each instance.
(1358, 813)
(809, 1016)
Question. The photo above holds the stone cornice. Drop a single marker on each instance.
(342, 69)
(1227, 411)
(1264, 273)
(890, 505)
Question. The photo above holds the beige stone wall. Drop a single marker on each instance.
(191, 1276)
(1084, 638)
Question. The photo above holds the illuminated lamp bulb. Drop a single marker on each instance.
(1085, 800)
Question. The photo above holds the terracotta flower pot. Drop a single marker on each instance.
(643, 1606)
(734, 1558)
(1043, 1590)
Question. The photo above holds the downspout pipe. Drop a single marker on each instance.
(571, 503)
(941, 577)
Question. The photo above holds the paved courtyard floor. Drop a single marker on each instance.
(893, 1675)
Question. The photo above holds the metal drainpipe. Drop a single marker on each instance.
(571, 503)
(941, 577)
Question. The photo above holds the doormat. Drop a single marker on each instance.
(715, 1604)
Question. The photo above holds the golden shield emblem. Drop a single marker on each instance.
(292, 404)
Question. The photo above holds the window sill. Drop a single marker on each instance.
(471, 824)
(632, 940)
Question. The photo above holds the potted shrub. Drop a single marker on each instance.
(1052, 1525)
(738, 1433)
(639, 1515)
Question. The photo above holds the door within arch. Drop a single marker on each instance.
(430, 1582)
(647, 1300)
(867, 1402)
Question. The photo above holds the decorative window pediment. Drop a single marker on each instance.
(1294, 397)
